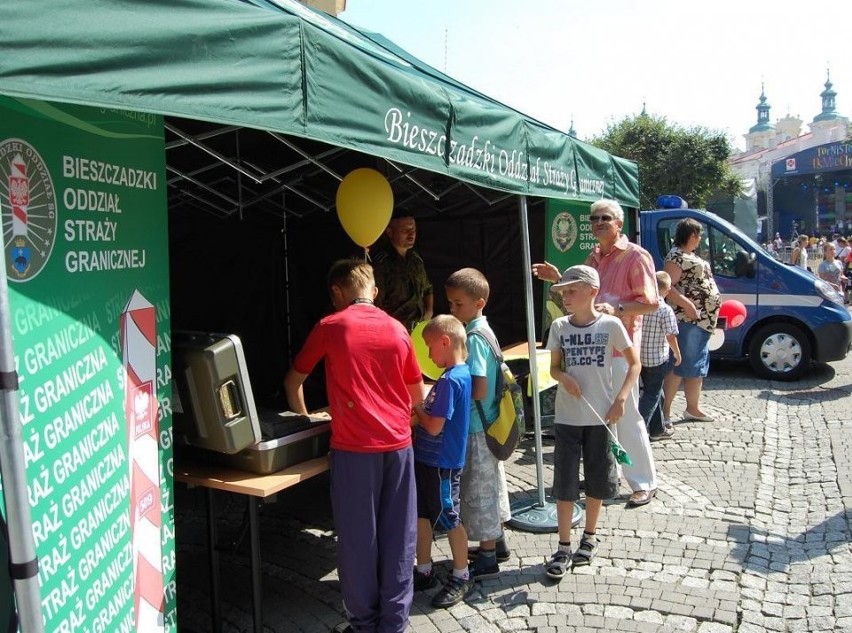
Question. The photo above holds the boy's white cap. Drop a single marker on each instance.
(577, 274)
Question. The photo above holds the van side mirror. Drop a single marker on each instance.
(745, 264)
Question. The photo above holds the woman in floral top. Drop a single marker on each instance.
(695, 299)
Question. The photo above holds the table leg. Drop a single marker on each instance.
(255, 564)
(215, 608)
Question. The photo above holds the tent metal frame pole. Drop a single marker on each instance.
(22, 555)
(239, 175)
(407, 175)
(186, 137)
(280, 190)
(285, 237)
(531, 341)
(286, 142)
(539, 516)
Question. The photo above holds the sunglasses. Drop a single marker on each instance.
(601, 218)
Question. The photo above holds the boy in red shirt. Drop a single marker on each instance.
(372, 380)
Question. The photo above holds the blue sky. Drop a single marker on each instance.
(696, 63)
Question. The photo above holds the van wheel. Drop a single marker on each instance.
(780, 352)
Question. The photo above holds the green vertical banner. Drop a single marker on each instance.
(85, 237)
(568, 240)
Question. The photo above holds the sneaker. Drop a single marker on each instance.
(453, 592)
(425, 581)
(668, 431)
(483, 569)
(587, 550)
(503, 551)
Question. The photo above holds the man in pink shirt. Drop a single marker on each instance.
(628, 290)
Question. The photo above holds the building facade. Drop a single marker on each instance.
(803, 179)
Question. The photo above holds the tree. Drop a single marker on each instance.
(688, 162)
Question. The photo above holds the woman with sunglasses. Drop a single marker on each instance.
(696, 301)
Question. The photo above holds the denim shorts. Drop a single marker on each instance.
(694, 352)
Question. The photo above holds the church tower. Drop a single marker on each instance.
(571, 131)
(829, 125)
(761, 135)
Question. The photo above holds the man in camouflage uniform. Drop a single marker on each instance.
(404, 288)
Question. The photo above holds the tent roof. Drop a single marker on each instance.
(281, 67)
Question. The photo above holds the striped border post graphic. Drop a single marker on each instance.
(19, 194)
(139, 358)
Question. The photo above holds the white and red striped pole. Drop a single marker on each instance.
(139, 358)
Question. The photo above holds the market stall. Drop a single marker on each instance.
(261, 108)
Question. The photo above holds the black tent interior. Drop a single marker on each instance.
(253, 230)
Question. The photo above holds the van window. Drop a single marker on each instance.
(665, 235)
(727, 258)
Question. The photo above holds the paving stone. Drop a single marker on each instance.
(714, 627)
(649, 616)
(749, 532)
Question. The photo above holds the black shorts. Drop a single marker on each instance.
(599, 467)
(438, 495)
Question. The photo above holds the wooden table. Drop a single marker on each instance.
(518, 350)
(255, 488)
(521, 350)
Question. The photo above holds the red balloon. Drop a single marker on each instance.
(733, 312)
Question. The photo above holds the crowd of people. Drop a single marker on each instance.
(406, 462)
(829, 259)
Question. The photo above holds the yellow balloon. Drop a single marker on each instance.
(421, 351)
(364, 205)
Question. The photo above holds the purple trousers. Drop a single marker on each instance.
(375, 515)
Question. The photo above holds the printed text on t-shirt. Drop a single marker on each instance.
(584, 349)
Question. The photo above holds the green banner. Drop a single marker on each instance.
(568, 240)
(83, 202)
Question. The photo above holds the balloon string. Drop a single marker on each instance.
(600, 419)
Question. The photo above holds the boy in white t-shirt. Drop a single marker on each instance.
(582, 347)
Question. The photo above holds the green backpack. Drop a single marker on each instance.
(503, 434)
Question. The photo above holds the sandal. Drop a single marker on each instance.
(641, 498)
(586, 552)
(559, 563)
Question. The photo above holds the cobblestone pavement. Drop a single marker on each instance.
(749, 531)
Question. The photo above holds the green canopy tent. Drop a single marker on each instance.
(269, 98)
(283, 67)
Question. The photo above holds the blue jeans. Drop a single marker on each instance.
(651, 400)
